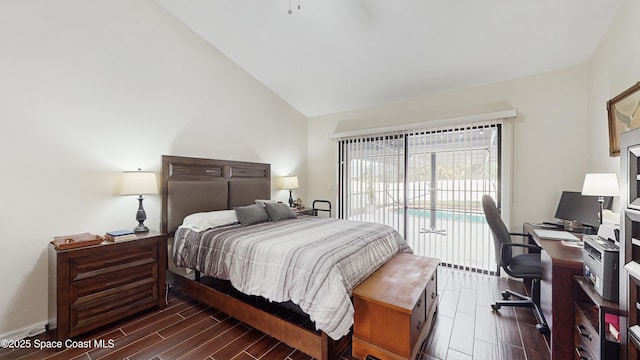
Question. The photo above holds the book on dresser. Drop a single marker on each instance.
(119, 235)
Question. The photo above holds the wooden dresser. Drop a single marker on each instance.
(395, 308)
(96, 285)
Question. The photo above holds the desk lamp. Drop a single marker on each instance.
(601, 185)
(139, 183)
(290, 183)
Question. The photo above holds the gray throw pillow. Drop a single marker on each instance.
(251, 214)
(279, 212)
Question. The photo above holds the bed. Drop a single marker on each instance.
(193, 185)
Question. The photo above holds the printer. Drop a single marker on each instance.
(600, 257)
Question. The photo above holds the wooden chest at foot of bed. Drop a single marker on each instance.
(395, 308)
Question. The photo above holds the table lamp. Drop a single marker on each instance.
(290, 183)
(139, 183)
(601, 185)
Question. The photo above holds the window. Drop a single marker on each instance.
(428, 185)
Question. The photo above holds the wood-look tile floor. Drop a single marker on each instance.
(465, 328)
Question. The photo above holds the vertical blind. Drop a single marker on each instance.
(372, 179)
(427, 184)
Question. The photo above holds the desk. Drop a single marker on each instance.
(559, 264)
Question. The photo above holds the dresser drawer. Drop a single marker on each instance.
(94, 288)
(431, 293)
(102, 311)
(586, 335)
(418, 316)
(111, 261)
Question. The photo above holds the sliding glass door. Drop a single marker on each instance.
(428, 185)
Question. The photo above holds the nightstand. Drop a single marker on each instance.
(95, 285)
(303, 211)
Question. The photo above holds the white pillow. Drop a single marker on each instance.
(207, 220)
(262, 202)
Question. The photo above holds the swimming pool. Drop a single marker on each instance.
(447, 215)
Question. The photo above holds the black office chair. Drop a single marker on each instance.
(524, 266)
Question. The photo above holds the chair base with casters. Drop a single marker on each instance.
(523, 301)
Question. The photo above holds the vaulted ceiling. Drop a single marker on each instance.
(336, 55)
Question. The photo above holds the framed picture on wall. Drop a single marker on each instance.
(624, 115)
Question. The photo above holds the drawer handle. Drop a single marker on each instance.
(579, 350)
(419, 303)
(419, 325)
(433, 295)
(580, 329)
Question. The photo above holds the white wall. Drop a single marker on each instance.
(613, 68)
(550, 135)
(89, 89)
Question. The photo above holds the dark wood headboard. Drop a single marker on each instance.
(191, 185)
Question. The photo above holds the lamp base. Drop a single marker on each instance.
(140, 229)
(141, 216)
(601, 203)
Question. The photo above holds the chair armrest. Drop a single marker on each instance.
(528, 246)
(519, 234)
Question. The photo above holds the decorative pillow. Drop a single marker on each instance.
(279, 212)
(262, 202)
(251, 214)
(207, 220)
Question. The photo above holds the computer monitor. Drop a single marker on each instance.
(574, 206)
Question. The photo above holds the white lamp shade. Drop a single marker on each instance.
(601, 185)
(290, 182)
(139, 183)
